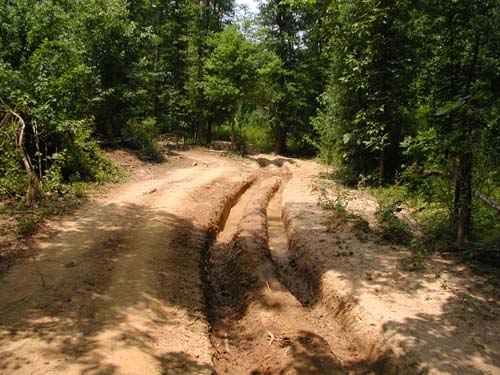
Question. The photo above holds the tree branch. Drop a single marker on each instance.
(486, 200)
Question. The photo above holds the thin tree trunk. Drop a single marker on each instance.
(39, 153)
(464, 227)
(33, 184)
(382, 165)
(456, 198)
(199, 128)
(279, 140)
(233, 135)
(209, 131)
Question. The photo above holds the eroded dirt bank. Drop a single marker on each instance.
(435, 318)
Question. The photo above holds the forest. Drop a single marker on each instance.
(400, 97)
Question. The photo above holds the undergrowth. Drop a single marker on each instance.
(58, 195)
(338, 205)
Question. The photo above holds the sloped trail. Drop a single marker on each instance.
(125, 292)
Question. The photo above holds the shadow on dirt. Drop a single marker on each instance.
(440, 336)
(182, 363)
(87, 297)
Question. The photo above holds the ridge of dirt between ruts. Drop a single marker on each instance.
(439, 320)
(125, 288)
(258, 327)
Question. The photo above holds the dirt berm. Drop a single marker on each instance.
(409, 315)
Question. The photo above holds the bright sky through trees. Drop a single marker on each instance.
(251, 4)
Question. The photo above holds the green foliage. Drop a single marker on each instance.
(385, 91)
(236, 74)
(142, 135)
(413, 96)
(393, 228)
(363, 114)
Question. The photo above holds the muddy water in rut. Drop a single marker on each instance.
(277, 239)
(258, 326)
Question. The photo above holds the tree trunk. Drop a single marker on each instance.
(33, 191)
(456, 198)
(465, 166)
(233, 138)
(464, 226)
(209, 131)
(279, 140)
(199, 128)
(382, 165)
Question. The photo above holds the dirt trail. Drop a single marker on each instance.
(226, 267)
(124, 289)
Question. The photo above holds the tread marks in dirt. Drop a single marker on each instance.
(258, 326)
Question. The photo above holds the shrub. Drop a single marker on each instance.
(142, 135)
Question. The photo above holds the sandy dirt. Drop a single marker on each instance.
(431, 318)
(124, 293)
(214, 265)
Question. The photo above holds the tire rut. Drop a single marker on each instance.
(257, 325)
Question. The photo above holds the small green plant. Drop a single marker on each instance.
(79, 189)
(26, 225)
(393, 228)
(337, 204)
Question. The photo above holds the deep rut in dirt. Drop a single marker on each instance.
(257, 325)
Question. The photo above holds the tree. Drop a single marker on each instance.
(366, 100)
(235, 72)
(457, 97)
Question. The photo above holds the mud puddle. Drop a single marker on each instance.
(277, 239)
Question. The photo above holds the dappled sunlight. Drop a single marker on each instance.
(432, 312)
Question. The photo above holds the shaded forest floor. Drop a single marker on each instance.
(208, 264)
